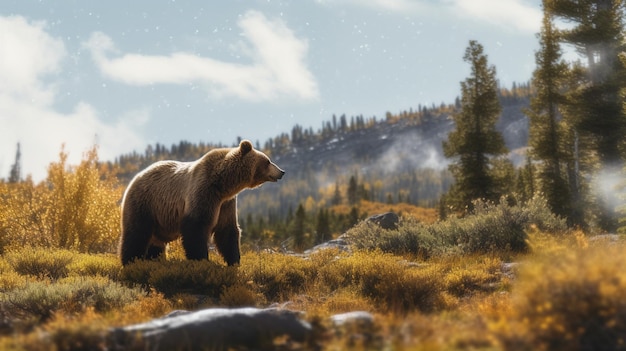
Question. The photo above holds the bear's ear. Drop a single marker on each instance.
(245, 146)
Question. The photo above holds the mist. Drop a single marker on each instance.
(608, 186)
(412, 152)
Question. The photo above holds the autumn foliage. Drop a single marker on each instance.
(75, 207)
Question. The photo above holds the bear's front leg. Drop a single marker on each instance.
(226, 234)
(195, 237)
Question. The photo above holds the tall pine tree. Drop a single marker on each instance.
(298, 230)
(595, 104)
(546, 122)
(16, 169)
(475, 141)
(598, 36)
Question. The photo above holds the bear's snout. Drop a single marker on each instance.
(276, 174)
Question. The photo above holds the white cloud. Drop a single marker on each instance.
(400, 6)
(28, 53)
(516, 15)
(30, 56)
(278, 69)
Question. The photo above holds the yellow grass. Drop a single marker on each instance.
(567, 294)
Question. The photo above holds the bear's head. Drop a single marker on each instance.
(261, 167)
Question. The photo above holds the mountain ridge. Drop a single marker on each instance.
(396, 159)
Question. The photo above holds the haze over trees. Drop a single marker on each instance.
(548, 129)
(595, 103)
(577, 115)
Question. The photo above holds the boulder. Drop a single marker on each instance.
(358, 327)
(605, 238)
(388, 220)
(358, 318)
(213, 329)
(340, 243)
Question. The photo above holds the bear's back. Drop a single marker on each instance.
(162, 188)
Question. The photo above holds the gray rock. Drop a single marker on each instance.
(358, 327)
(387, 220)
(339, 243)
(604, 238)
(509, 269)
(214, 329)
(360, 318)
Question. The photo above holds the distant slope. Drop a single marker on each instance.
(401, 143)
(402, 154)
(397, 159)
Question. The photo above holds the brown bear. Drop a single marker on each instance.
(195, 200)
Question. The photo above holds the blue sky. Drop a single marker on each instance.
(127, 74)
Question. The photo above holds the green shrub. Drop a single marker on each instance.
(572, 302)
(388, 281)
(172, 277)
(239, 296)
(40, 262)
(278, 276)
(411, 238)
(489, 228)
(463, 281)
(105, 265)
(41, 299)
(86, 332)
(11, 280)
(35, 299)
(98, 292)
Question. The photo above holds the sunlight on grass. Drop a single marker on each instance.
(566, 293)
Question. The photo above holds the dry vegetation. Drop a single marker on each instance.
(431, 286)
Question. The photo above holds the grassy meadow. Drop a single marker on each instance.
(507, 277)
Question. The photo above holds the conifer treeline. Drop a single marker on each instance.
(577, 119)
(276, 210)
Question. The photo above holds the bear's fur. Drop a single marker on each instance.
(170, 199)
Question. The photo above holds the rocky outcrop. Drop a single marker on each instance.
(213, 329)
(340, 243)
(387, 220)
(236, 329)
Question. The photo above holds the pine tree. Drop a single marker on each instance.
(323, 227)
(337, 195)
(353, 195)
(525, 181)
(546, 135)
(598, 35)
(298, 228)
(595, 103)
(16, 169)
(475, 141)
(353, 216)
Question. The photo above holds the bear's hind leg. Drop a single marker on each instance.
(155, 249)
(134, 244)
(227, 233)
(137, 229)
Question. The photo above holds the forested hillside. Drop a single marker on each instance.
(398, 159)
